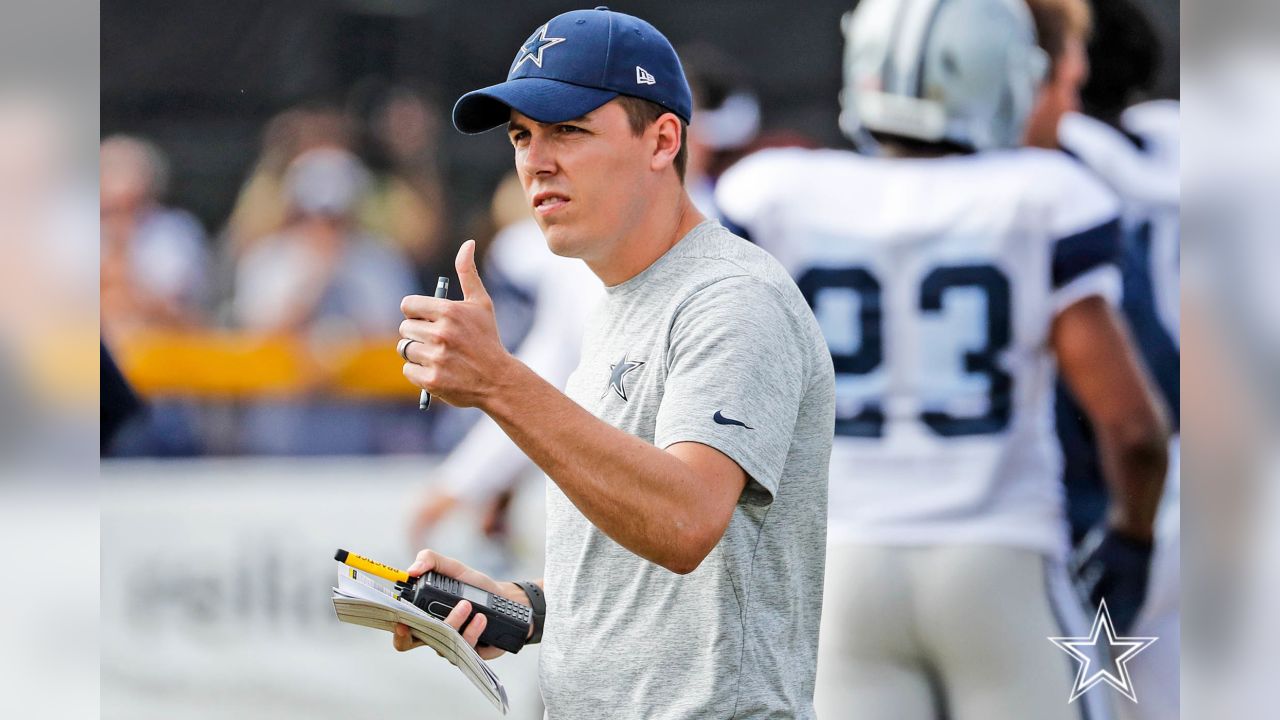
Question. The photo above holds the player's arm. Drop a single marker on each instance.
(1097, 360)
(669, 506)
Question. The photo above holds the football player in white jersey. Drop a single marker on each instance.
(1136, 154)
(950, 275)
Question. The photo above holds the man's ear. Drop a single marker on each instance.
(666, 133)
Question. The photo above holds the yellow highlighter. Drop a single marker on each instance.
(372, 567)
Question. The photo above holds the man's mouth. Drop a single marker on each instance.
(545, 203)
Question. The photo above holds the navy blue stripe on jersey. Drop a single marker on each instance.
(1158, 349)
(1078, 254)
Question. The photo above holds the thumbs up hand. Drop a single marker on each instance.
(455, 353)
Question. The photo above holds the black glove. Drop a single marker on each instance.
(1116, 567)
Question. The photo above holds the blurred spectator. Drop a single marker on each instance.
(324, 279)
(321, 273)
(405, 202)
(154, 258)
(262, 207)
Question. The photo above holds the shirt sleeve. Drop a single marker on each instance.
(736, 373)
(747, 192)
(1085, 234)
(1086, 265)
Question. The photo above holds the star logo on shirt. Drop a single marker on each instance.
(1115, 653)
(617, 371)
(540, 43)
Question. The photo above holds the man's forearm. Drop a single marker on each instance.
(644, 498)
(1134, 467)
(1097, 359)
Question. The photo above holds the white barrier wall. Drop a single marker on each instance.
(216, 577)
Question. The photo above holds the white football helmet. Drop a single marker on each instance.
(958, 71)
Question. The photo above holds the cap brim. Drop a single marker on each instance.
(543, 99)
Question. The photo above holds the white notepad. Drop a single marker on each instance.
(363, 599)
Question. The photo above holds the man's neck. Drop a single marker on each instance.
(649, 240)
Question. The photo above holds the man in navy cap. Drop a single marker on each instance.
(686, 512)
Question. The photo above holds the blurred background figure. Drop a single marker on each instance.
(321, 273)
(726, 119)
(405, 202)
(155, 262)
(1133, 147)
(323, 280)
(514, 260)
(262, 205)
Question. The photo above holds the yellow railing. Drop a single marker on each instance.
(234, 365)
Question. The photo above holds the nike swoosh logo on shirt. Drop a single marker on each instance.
(722, 420)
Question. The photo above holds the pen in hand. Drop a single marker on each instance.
(442, 291)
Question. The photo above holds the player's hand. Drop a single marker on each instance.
(433, 506)
(1110, 565)
(429, 560)
(457, 355)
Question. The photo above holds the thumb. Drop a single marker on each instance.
(468, 275)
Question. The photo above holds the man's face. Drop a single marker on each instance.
(1059, 95)
(585, 179)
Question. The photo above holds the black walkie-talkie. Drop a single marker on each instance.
(508, 621)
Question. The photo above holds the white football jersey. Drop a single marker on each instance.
(936, 282)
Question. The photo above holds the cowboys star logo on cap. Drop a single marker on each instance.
(540, 43)
(595, 56)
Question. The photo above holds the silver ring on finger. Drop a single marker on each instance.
(403, 348)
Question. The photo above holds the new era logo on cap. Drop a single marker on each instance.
(573, 64)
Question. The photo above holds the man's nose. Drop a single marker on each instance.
(539, 157)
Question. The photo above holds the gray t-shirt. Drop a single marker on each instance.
(712, 343)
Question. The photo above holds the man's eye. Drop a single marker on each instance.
(519, 136)
(568, 128)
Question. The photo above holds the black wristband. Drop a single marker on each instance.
(538, 602)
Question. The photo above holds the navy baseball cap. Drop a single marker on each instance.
(575, 63)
